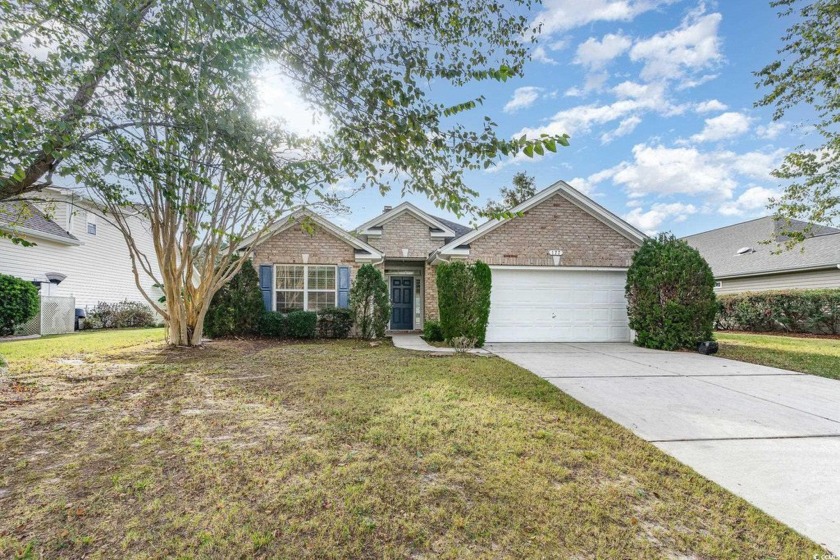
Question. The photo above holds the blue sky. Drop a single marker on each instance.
(657, 96)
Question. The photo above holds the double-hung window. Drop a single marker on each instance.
(301, 286)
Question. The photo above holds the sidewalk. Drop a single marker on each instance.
(412, 341)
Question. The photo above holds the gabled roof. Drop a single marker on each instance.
(24, 219)
(448, 229)
(290, 220)
(568, 192)
(720, 247)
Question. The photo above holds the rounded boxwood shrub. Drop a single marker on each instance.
(334, 322)
(236, 308)
(432, 331)
(18, 302)
(670, 295)
(272, 324)
(301, 324)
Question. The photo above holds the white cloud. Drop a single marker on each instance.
(634, 99)
(661, 170)
(539, 54)
(771, 130)
(710, 106)
(625, 127)
(650, 221)
(671, 55)
(595, 54)
(753, 200)
(726, 125)
(562, 15)
(523, 97)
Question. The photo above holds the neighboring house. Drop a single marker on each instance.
(558, 270)
(742, 260)
(77, 253)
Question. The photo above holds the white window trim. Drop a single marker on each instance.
(718, 284)
(306, 289)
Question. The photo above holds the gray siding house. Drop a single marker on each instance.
(748, 257)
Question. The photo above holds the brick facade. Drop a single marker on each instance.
(430, 297)
(405, 232)
(556, 223)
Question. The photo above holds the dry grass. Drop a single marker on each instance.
(339, 450)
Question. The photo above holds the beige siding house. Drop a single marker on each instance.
(77, 251)
(558, 267)
(749, 257)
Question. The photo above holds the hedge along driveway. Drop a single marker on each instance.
(336, 450)
(795, 311)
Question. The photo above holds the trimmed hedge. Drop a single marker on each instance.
(794, 311)
(18, 302)
(432, 331)
(235, 309)
(122, 315)
(272, 324)
(335, 322)
(295, 324)
(670, 295)
(464, 300)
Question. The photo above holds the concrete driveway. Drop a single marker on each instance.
(769, 435)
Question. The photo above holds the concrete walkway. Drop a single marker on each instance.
(769, 435)
(413, 341)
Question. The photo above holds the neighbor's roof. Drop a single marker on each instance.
(459, 229)
(720, 248)
(24, 218)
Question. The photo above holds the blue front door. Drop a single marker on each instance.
(402, 303)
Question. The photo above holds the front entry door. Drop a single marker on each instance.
(402, 303)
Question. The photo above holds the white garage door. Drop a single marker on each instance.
(552, 305)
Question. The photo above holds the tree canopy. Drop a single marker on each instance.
(807, 73)
(151, 105)
(522, 189)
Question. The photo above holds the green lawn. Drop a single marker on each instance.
(818, 356)
(336, 450)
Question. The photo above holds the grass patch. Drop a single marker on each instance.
(341, 450)
(817, 356)
(92, 342)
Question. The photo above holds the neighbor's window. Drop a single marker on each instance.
(91, 223)
(718, 284)
(310, 287)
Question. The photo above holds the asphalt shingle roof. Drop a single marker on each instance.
(720, 248)
(24, 214)
(459, 229)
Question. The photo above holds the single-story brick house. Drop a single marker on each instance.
(558, 269)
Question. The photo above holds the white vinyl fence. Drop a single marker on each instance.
(57, 315)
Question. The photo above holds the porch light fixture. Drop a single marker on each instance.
(405, 252)
(555, 255)
(305, 258)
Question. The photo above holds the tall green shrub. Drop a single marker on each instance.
(464, 300)
(18, 302)
(369, 302)
(670, 295)
(237, 307)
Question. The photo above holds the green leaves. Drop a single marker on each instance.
(807, 75)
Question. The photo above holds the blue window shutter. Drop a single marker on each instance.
(344, 286)
(265, 285)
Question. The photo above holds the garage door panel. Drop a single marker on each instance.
(551, 305)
